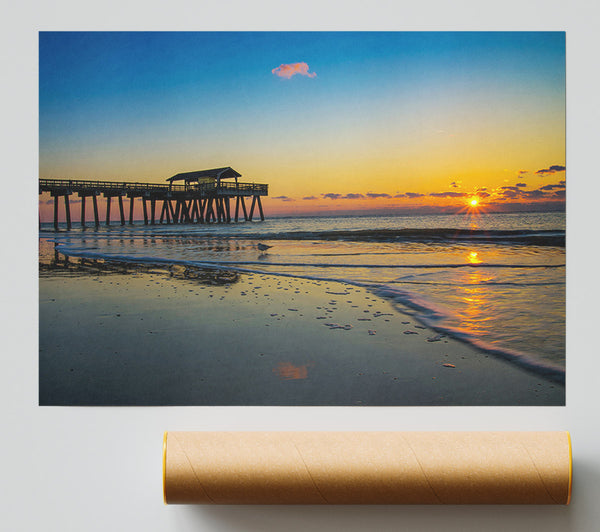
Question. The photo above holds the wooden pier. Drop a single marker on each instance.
(203, 198)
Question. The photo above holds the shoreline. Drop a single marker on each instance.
(156, 336)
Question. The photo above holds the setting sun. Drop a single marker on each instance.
(473, 202)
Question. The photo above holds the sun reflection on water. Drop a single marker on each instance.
(476, 308)
(473, 258)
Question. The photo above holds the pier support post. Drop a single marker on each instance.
(222, 205)
(152, 210)
(227, 209)
(145, 210)
(195, 211)
(108, 198)
(95, 204)
(260, 209)
(121, 211)
(219, 207)
(56, 213)
(202, 206)
(131, 210)
(209, 210)
(82, 211)
(67, 211)
(244, 208)
(173, 212)
(252, 208)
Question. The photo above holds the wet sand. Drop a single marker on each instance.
(121, 336)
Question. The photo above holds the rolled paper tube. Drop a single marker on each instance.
(367, 467)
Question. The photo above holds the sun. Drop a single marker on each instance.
(473, 204)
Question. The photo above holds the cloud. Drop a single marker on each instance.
(533, 194)
(522, 185)
(455, 184)
(545, 192)
(447, 194)
(413, 195)
(372, 195)
(284, 198)
(291, 69)
(551, 170)
(511, 193)
(552, 187)
(521, 172)
(309, 198)
(355, 196)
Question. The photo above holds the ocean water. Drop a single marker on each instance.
(495, 281)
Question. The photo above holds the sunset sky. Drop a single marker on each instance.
(333, 122)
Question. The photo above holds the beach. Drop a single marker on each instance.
(123, 334)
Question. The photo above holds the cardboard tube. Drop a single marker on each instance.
(367, 467)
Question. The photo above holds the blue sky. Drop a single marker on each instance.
(144, 106)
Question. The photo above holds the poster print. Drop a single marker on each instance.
(348, 218)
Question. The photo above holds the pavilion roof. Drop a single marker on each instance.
(217, 173)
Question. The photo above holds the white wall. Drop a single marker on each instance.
(98, 469)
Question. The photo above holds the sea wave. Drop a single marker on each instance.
(555, 238)
(535, 238)
(433, 316)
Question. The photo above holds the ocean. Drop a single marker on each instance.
(494, 281)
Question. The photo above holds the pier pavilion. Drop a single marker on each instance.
(204, 197)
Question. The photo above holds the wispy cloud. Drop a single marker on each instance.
(521, 185)
(284, 198)
(550, 192)
(291, 69)
(310, 198)
(354, 196)
(447, 194)
(551, 170)
(552, 187)
(373, 195)
(331, 196)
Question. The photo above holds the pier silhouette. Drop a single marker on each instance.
(204, 197)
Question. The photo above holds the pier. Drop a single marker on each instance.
(205, 196)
